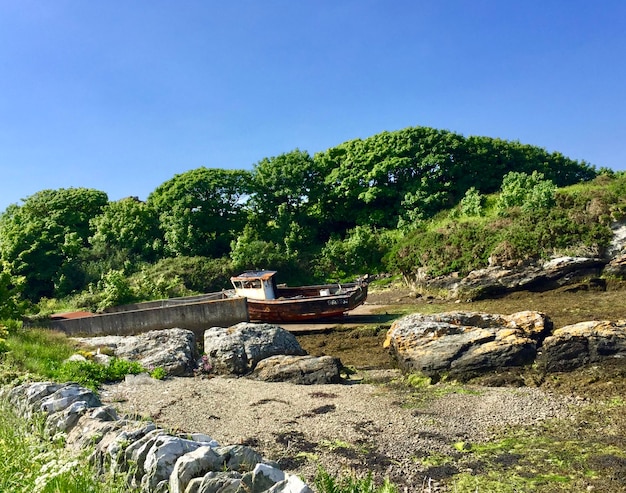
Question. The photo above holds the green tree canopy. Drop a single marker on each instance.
(42, 238)
(130, 226)
(202, 210)
(413, 173)
(285, 192)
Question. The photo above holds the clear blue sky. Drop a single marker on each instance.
(122, 95)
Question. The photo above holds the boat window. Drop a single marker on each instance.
(252, 284)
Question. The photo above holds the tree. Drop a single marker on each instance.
(285, 191)
(42, 238)
(11, 304)
(202, 210)
(127, 226)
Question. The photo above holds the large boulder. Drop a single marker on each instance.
(575, 345)
(463, 344)
(238, 349)
(531, 275)
(304, 370)
(174, 350)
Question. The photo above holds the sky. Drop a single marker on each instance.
(121, 96)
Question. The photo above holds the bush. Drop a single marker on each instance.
(472, 203)
(530, 192)
(91, 374)
(361, 252)
(325, 483)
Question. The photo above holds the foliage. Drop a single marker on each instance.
(201, 211)
(11, 304)
(285, 191)
(361, 252)
(44, 354)
(325, 483)
(183, 275)
(530, 192)
(42, 239)
(91, 374)
(471, 204)
(250, 252)
(459, 246)
(115, 289)
(128, 226)
(29, 463)
(578, 223)
(37, 351)
(411, 174)
(332, 215)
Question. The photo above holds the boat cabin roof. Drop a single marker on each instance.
(257, 285)
(263, 275)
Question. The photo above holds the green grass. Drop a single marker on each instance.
(326, 483)
(30, 464)
(40, 354)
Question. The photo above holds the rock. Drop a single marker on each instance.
(174, 350)
(616, 267)
(161, 458)
(463, 344)
(293, 484)
(194, 464)
(586, 342)
(531, 275)
(618, 243)
(307, 370)
(63, 421)
(116, 449)
(214, 482)
(238, 349)
(265, 476)
(66, 396)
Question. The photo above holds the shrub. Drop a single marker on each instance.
(325, 483)
(91, 374)
(361, 252)
(530, 192)
(472, 203)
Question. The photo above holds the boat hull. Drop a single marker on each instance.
(294, 305)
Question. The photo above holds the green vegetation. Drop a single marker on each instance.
(30, 462)
(417, 199)
(326, 483)
(39, 354)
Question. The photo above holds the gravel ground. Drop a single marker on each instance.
(373, 425)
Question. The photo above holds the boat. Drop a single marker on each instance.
(271, 302)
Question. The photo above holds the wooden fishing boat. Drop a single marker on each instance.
(270, 302)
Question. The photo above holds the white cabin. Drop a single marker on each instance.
(256, 285)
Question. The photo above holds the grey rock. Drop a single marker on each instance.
(161, 458)
(194, 464)
(214, 482)
(238, 349)
(63, 421)
(462, 344)
(174, 350)
(306, 370)
(616, 267)
(239, 457)
(265, 476)
(66, 396)
(292, 484)
(575, 345)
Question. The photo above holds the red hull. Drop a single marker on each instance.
(303, 307)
